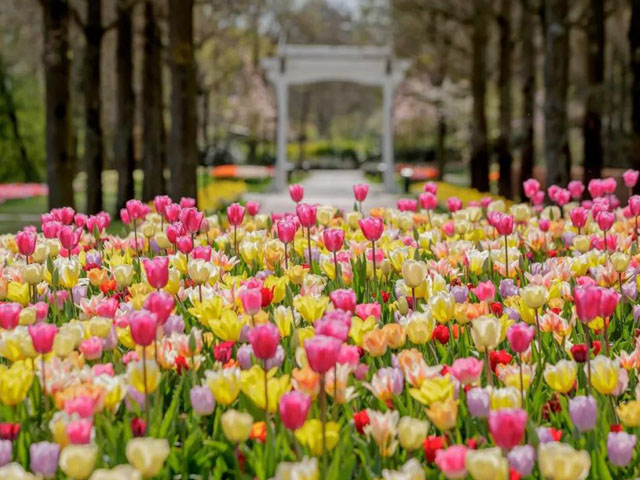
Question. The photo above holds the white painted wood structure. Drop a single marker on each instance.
(300, 64)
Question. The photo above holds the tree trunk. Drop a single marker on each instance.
(442, 40)
(503, 145)
(634, 50)
(152, 115)
(60, 167)
(183, 155)
(93, 156)
(592, 126)
(528, 80)
(125, 102)
(556, 76)
(480, 153)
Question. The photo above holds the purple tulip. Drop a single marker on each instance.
(522, 459)
(544, 435)
(460, 293)
(508, 288)
(478, 402)
(620, 447)
(44, 458)
(202, 400)
(78, 293)
(174, 324)
(277, 359)
(6, 448)
(583, 412)
(243, 355)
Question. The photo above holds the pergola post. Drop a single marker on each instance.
(280, 173)
(387, 137)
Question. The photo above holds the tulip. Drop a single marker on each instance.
(293, 408)
(487, 464)
(14, 471)
(251, 299)
(9, 315)
(604, 375)
(42, 336)
(157, 270)
(26, 242)
(236, 425)
(583, 412)
(522, 459)
(414, 273)
(147, 455)
(343, 299)
(530, 187)
(202, 400)
(520, 336)
(562, 376)
(466, 370)
(478, 402)
(224, 384)
(412, 432)
(143, 326)
(443, 414)
(559, 461)
(6, 449)
(44, 458)
(120, 472)
(360, 191)
(620, 447)
(264, 340)
(253, 208)
(452, 461)
(78, 461)
(507, 427)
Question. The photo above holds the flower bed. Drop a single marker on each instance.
(487, 342)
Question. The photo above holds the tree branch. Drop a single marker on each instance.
(77, 18)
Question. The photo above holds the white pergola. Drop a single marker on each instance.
(300, 64)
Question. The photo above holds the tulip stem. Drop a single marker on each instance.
(506, 256)
(323, 420)
(235, 239)
(606, 335)
(487, 364)
(144, 380)
(44, 384)
(309, 248)
(335, 264)
(286, 257)
(266, 397)
(373, 258)
(587, 333)
(413, 295)
(519, 355)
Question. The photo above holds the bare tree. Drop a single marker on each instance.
(503, 144)
(634, 47)
(528, 80)
(182, 148)
(153, 123)
(480, 150)
(60, 166)
(592, 126)
(556, 79)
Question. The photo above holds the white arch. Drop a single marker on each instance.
(299, 64)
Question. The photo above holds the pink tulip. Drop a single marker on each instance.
(174, 231)
(26, 241)
(576, 189)
(235, 214)
(184, 244)
(596, 188)
(202, 252)
(430, 187)
(485, 291)
(530, 187)
(609, 299)
(504, 224)
(9, 315)
(82, 405)
(322, 352)
(587, 300)
(520, 336)
(143, 325)
(451, 461)
(538, 198)
(454, 204)
(91, 348)
(630, 178)
(286, 231)
(253, 208)
(366, 310)
(428, 201)
(69, 237)
(544, 224)
(578, 217)
(507, 427)
(360, 191)
(264, 340)
(51, 229)
(157, 270)
(332, 328)
(42, 335)
(372, 228)
(294, 407)
(609, 184)
(79, 431)
(466, 370)
(251, 299)
(333, 239)
(344, 299)
(449, 228)
(64, 215)
(296, 192)
(160, 202)
(562, 197)
(349, 354)
(306, 214)
(42, 309)
(161, 304)
(172, 212)
(634, 205)
(191, 219)
(407, 205)
(186, 202)
(605, 220)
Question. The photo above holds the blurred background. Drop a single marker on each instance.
(104, 100)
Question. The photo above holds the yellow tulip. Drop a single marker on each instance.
(124, 337)
(486, 332)
(620, 261)
(296, 274)
(173, 283)
(502, 398)
(361, 327)
(147, 454)
(15, 471)
(629, 413)
(201, 271)
(33, 273)
(15, 383)
(252, 385)
(310, 308)
(278, 285)
(228, 326)
(224, 384)
(442, 306)
(123, 275)
(581, 243)
(135, 376)
(436, 389)
(18, 292)
(419, 327)
(561, 376)
(604, 374)
(534, 296)
(487, 464)
(443, 414)
(283, 317)
(559, 461)
(98, 327)
(413, 273)
(78, 461)
(412, 432)
(120, 472)
(68, 272)
(307, 469)
(236, 425)
(27, 316)
(310, 435)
